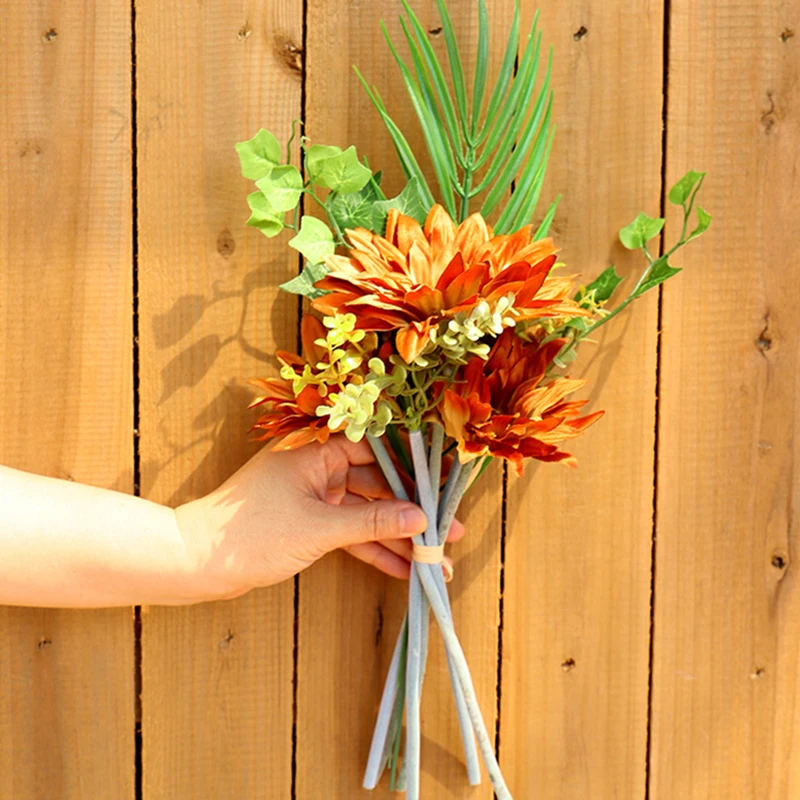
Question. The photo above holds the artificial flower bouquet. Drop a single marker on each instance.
(443, 325)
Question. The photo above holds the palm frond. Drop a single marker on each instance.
(475, 152)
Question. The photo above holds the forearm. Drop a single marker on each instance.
(64, 544)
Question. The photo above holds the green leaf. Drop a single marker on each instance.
(680, 192)
(303, 283)
(282, 187)
(604, 285)
(356, 209)
(317, 153)
(640, 231)
(506, 71)
(577, 323)
(703, 221)
(481, 64)
(659, 272)
(408, 202)
(544, 227)
(264, 216)
(432, 126)
(454, 56)
(422, 42)
(259, 155)
(408, 162)
(314, 240)
(520, 208)
(508, 120)
(535, 131)
(339, 171)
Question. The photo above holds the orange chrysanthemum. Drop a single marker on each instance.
(287, 417)
(415, 276)
(501, 407)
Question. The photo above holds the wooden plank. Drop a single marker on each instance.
(577, 568)
(727, 623)
(217, 678)
(66, 401)
(349, 614)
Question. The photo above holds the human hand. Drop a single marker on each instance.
(282, 511)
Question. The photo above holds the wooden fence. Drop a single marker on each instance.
(633, 626)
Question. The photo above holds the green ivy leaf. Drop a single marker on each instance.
(314, 240)
(356, 209)
(640, 231)
(264, 217)
(660, 271)
(318, 153)
(336, 169)
(578, 324)
(681, 191)
(303, 283)
(408, 202)
(259, 155)
(703, 221)
(604, 285)
(282, 187)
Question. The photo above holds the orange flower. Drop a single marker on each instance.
(292, 419)
(414, 276)
(288, 418)
(501, 407)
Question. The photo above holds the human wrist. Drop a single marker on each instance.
(208, 576)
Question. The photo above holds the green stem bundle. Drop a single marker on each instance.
(427, 590)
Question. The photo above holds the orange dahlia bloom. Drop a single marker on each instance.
(501, 407)
(289, 418)
(414, 276)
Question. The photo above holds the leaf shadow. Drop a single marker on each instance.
(189, 367)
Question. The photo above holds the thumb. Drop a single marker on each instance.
(345, 525)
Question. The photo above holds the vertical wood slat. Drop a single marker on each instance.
(66, 407)
(349, 614)
(727, 610)
(217, 678)
(577, 568)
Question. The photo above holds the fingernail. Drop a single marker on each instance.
(413, 520)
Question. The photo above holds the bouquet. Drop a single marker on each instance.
(442, 323)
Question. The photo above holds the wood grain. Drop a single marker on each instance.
(66, 400)
(577, 567)
(727, 623)
(349, 614)
(217, 678)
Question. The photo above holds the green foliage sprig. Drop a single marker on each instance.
(342, 186)
(635, 236)
(476, 150)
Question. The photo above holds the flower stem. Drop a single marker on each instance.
(387, 467)
(462, 670)
(452, 498)
(379, 741)
(428, 498)
(413, 685)
(435, 467)
(377, 752)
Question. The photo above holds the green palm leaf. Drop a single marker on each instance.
(408, 162)
(506, 72)
(506, 146)
(420, 42)
(455, 64)
(481, 65)
(431, 129)
(544, 227)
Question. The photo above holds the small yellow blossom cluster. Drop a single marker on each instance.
(343, 352)
(464, 335)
